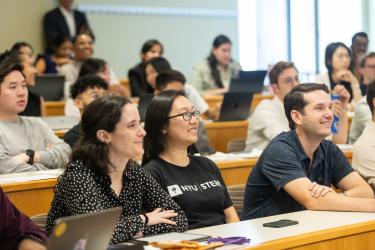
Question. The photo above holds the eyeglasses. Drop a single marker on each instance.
(188, 115)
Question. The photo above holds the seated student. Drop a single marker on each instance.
(137, 75)
(100, 68)
(17, 231)
(63, 50)
(296, 170)
(363, 150)
(153, 67)
(22, 53)
(362, 113)
(85, 90)
(26, 143)
(359, 48)
(213, 74)
(194, 182)
(269, 120)
(102, 175)
(338, 62)
(174, 80)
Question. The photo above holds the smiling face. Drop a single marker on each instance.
(178, 131)
(127, 139)
(317, 116)
(13, 94)
(286, 81)
(83, 47)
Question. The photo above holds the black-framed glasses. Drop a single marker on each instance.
(188, 115)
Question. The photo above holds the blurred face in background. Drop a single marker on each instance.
(155, 51)
(151, 75)
(223, 53)
(65, 49)
(29, 70)
(340, 59)
(83, 47)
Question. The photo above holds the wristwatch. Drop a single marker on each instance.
(30, 153)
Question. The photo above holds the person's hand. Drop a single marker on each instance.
(343, 93)
(23, 158)
(29, 244)
(317, 190)
(344, 75)
(49, 146)
(159, 216)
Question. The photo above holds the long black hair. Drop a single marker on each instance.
(330, 50)
(102, 114)
(212, 61)
(156, 119)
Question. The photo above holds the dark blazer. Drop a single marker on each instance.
(138, 82)
(54, 24)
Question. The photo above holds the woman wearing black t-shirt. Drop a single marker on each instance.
(195, 183)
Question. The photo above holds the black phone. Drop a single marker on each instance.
(280, 223)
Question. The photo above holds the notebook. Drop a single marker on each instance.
(235, 107)
(248, 81)
(49, 86)
(61, 122)
(91, 231)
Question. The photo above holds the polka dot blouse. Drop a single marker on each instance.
(82, 190)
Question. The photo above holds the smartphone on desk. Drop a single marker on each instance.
(280, 223)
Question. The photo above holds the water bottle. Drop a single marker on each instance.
(336, 119)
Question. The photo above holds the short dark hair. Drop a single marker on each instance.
(8, 63)
(160, 64)
(371, 95)
(156, 119)
(295, 100)
(147, 46)
(59, 40)
(85, 82)
(364, 59)
(278, 68)
(102, 114)
(168, 76)
(359, 34)
(92, 66)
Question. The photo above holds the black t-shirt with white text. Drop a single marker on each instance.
(198, 188)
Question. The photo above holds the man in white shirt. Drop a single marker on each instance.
(63, 21)
(364, 147)
(269, 120)
(362, 113)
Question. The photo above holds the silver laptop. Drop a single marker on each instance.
(60, 122)
(84, 232)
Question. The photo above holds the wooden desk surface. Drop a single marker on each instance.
(316, 230)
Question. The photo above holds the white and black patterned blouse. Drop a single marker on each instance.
(82, 190)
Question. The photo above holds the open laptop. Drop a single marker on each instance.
(235, 107)
(49, 86)
(248, 81)
(91, 231)
(61, 122)
(144, 100)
